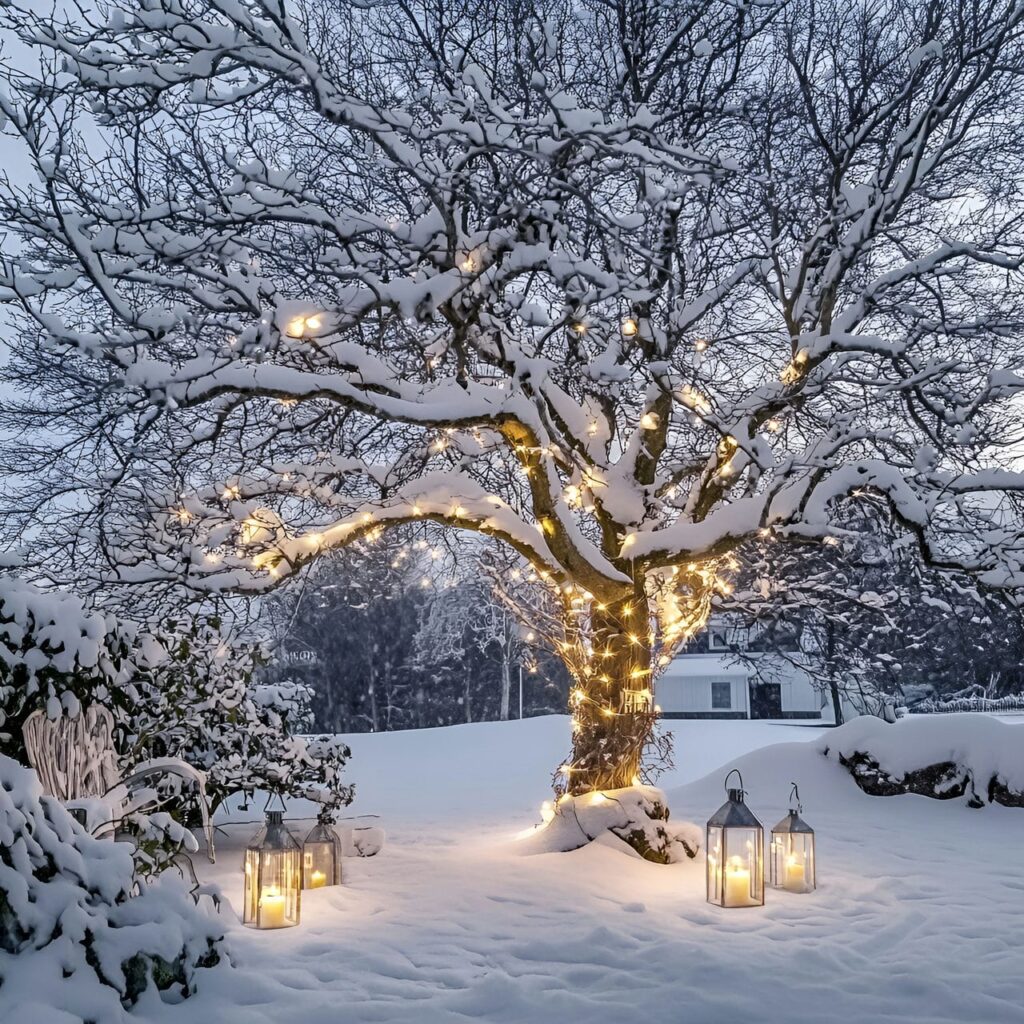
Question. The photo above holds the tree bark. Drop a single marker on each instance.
(506, 684)
(833, 683)
(837, 700)
(612, 700)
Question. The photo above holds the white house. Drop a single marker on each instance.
(709, 681)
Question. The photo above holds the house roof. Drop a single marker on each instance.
(724, 665)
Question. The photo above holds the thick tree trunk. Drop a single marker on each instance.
(612, 701)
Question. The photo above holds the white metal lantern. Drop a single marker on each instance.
(735, 852)
(791, 861)
(273, 877)
(321, 856)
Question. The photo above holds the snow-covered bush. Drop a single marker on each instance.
(971, 756)
(638, 815)
(203, 705)
(56, 655)
(183, 690)
(72, 916)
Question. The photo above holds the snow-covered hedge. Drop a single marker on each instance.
(637, 815)
(75, 930)
(971, 756)
(1014, 702)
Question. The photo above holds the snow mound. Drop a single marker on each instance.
(72, 928)
(637, 815)
(949, 756)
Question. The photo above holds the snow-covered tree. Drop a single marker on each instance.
(618, 283)
(875, 624)
(356, 615)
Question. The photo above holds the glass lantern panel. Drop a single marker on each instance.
(735, 872)
(714, 865)
(792, 861)
(321, 865)
(280, 884)
(251, 901)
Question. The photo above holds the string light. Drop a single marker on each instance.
(795, 370)
(649, 421)
(298, 326)
(701, 345)
(629, 327)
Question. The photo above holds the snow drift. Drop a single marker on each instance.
(972, 756)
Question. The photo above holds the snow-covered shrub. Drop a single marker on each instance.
(946, 757)
(72, 916)
(183, 690)
(203, 705)
(57, 655)
(638, 815)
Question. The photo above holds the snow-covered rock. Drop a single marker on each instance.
(975, 756)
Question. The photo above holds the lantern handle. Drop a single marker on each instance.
(737, 771)
(794, 796)
(275, 795)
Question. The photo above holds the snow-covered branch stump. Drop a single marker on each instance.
(73, 932)
(637, 815)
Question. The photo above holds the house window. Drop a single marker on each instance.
(721, 696)
(718, 638)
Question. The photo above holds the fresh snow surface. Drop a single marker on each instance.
(919, 916)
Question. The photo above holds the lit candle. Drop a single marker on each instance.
(317, 879)
(737, 883)
(795, 873)
(272, 908)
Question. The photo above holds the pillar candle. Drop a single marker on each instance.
(795, 879)
(737, 884)
(272, 909)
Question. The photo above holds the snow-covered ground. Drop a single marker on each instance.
(919, 916)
